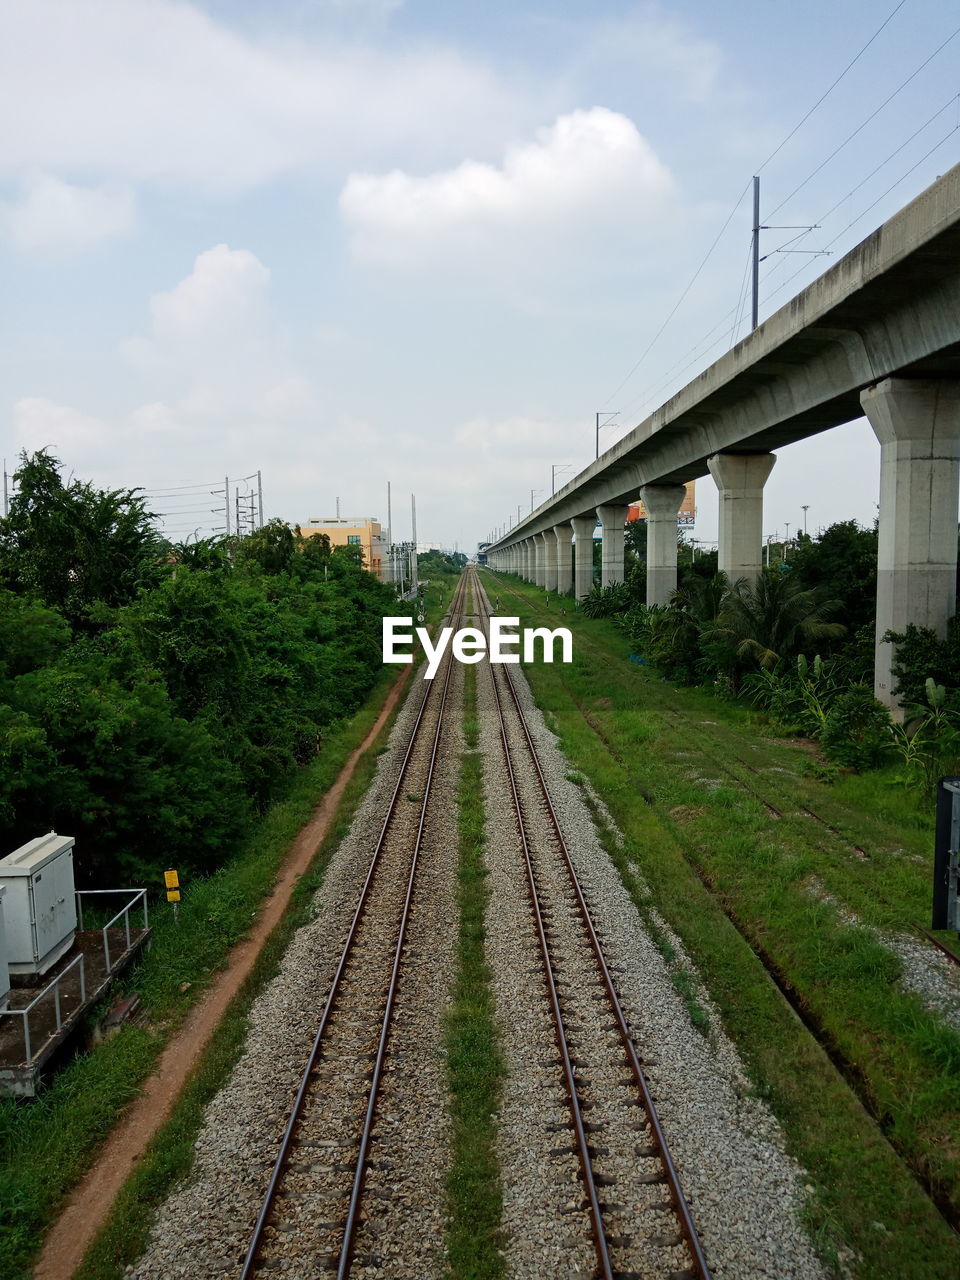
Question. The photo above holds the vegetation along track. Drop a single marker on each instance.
(633, 1204)
(758, 785)
(313, 1213)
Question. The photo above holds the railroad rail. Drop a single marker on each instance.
(616, 1255)
(352, 1034)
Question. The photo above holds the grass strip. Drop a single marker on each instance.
(474, 1062)
(866, 1211)
(49, 1142)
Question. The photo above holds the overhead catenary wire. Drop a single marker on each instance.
(863, 124)
(826, 94)
(863, 213)
(796, 128)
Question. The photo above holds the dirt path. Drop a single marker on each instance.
(91, 1200)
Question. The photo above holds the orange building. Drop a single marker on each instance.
(351, 531)
(686, 514)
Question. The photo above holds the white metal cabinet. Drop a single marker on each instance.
(41, 907)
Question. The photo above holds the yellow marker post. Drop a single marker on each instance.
(172, 881)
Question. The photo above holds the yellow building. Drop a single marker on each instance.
(351, 531)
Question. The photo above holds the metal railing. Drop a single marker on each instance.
(137, 895)
(53, 986)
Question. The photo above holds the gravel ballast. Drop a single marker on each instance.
(204, 1228)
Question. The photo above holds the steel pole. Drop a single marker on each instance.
(756, 253)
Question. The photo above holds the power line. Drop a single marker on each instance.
(156, 493)
(826, 94)
(863, 213)
(860, 127)
(676, 306)
(742, 298)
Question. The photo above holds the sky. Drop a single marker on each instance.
(346, 242)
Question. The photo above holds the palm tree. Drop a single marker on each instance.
(775, 618)
(677, 630)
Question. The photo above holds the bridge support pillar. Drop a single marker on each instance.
(662, 502)
(918, 426)
(564, 559)
(740, 478)
(526, 549)
(549, 538)
(583, 527)
(613, 517)
(537, 541)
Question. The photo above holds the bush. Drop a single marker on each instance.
(857, 729)
(606, 602)
(920, 653)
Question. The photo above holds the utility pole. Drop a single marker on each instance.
(6, 494)
(226, 502)
(414, 577)
(555, 467)
(338, 506)
(806, 508)
(612, 413)
(755, 310)
(389, 517)
(755, 249)
(260, 498)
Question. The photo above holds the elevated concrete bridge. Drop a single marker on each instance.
(878, 335)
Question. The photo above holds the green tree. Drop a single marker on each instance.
(775, 619)
(842, 563)
(72, 545)
(678, 632)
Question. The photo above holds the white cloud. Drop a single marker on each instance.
(661, 49)
(508, 435)
(213, 325)
(53, 216)
(158, 90)
(215, 357)
(39, 423)
(225, 287)
(589, 170)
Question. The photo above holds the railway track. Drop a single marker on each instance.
(633, 1204)
(676, 720)
(313, 1211)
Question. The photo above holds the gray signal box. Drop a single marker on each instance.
(40, 905)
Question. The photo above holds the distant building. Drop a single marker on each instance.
(352, 531)
(685, 516)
